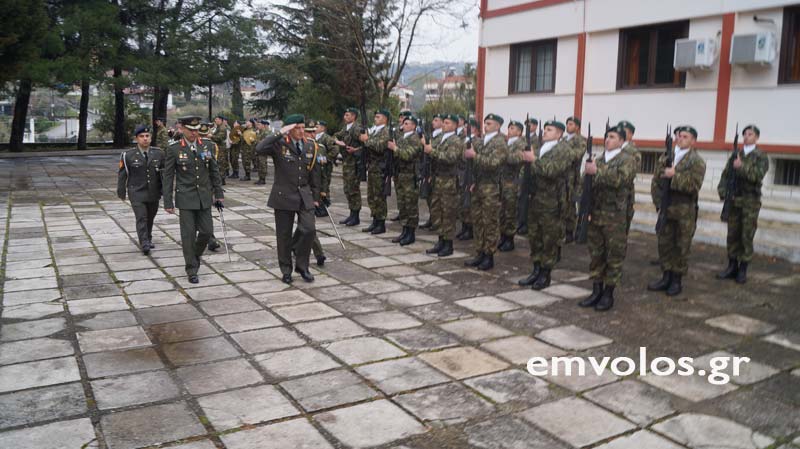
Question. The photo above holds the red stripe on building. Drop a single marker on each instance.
(724, 80)
(578, 109)
(486, 14)
(481, 80)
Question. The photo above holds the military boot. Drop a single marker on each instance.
(234, 175)
(436, 248)
(468, 234)
(409, 238)
(487, 263)
(372, 226)
(607, 300)
(675, 287)
(380, 227)
(246, 176)
(543, 281)
(261, 181)
(462, 231)
(475, 261)
(528, 281)
(741, 276)
(223, 181)
(661, 284)
(447, 249)
(597, 292)
(349, 218)
(731, 271)
(402, 235)
(507, 245)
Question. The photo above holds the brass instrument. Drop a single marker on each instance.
(235, 135)
(249, 135)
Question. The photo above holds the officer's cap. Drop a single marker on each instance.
(383, 112)
(627, 125)
(619, 130)
(754, 128)
(690, 129)
(352, 110)
(141, 129)
(575, 120)
(412, 118)
(494, 117)
(311, 125)
(294, 119)
(190, 122)
(557, 124)
(204, 128)
(516, 124)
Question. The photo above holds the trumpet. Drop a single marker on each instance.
(235, 136)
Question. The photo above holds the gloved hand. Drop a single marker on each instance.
(218, 204)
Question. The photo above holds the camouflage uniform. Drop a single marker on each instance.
(235, 150)
(409, 149)
(261, 160)
(743, 213)
(162, 137)
(578, 147)
(607, 236)
(219, 136)
(509, 187)
(249, 157)
(429, 200)
(328, 148)
(675, 237)
(632, 150)
(352, 185)
(548, 198)
(488, 164)
(464, 212)
(444, 163)
(376, 146)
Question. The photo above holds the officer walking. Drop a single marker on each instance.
(407, 151)
(295, 191)
(375, 144)
(350, 148)
(191, 169)
(140, 176)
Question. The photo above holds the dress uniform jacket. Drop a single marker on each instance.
(140, 176)
(296, 187)
(194, 175)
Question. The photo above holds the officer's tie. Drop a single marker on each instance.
(145, 157)
(298, 148)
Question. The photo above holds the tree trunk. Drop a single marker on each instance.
(83, 114)
(160, 99)
(120, 133)
(237, 106)
(20, 115)
(210, 99)
(187, 95)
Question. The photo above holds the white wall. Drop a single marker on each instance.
(600, 75)
(539, 106)
(498, 62)
(535, 24)
(566, 65)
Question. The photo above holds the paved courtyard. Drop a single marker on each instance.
(102, 347)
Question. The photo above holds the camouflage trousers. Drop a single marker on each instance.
(234, 151)
(464, 212)
(742, 225)
(261, 166)
(571, 211)
(327, 174)
(249, 158)
(631, 211)
(444, 207)
(509, 193)
(407, 199)
(352, 186)
(675, 241)
(375, 199)
(608, 243)
(545, 234)
(485, 219)
(222, 160)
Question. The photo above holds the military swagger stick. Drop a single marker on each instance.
(330, 216)
(219, 207)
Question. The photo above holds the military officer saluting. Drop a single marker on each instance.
(140, 176)
(749, 168)
(675, 237)
(295, 192)
(191, 169)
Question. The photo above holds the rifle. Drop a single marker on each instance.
(425, 172)
(666, 196)
(730, 189)
(468, 175)
(527, 181)
(389, 168)
(608, 126)
(362, 156)
(585, 208)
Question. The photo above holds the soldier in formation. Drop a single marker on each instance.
(407, 151)
(446, 156)
(578, 145)
(436, 135)
(219, 135)
(235, 137)
(375, 142)
(350, 150)
(630, 148)
(509, 185)
(328, 150)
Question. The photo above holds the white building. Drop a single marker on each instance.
(404, 95)
(614, 58)
(450, 85)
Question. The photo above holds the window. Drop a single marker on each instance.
(646, 56)
(649, 159)
(787, 172)
(790, 47)
(533, 67)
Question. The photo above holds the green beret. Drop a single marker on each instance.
(461, 117)
(405, 114)
(352, 110)
(190, 122)
(441, 116)
(690, 130)
(146, 129)
(575, 120)
(451, 117)
(494, 117)
(677, 130)
(294, 119)
(534, 121)
(627, 125)
(754, 128)
(516, 124)
(412, 118)
(322, 123)
(474, 122)
(557, 124)
(619, 130)
(383, 112)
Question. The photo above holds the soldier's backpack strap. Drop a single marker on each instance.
(316, 150)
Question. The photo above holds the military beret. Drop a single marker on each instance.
(220, 116)
(627, 125)
(383, 112)
(556, 123)
(322, 123)
(516, 124)
(461, 117)
(352, 110)
(253, 120)
(451, 117)
(190, 122)
(575, 120)
(264, 122)
(405, 114)
(533, 120)
(754, 128)
(441, 116)
(294, 119)
(141, 129)
(494, 117)
(677, 129)
(413, 119)
(619, 130)
(690, 130)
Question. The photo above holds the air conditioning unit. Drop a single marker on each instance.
(759, 48)
(692, 54)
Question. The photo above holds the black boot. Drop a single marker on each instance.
(661, 284)
(731, 271)
(741, 276)
(426, 225)
(349, 218)
(246, 177)
(462, 231)
(395, 218)
(487, 263)
(402, 235)
(409, 238)
(607, 300)
(234, 175)
(675, 287)
(522, 229)
(447, 249)
(475, 261)
(223, 181)
(372, 226)
(436, 248)
(326, 201)
(467, 235)
(597, 292)
(261, 181)
(507, 245)
(543, 281)
(380, 228)
(528, 281)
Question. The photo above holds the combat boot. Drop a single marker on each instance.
(607, 300)
(569, 236)
(437, 247)
(507, 245)
(462, 231)
(246, 176)
(223, 181)
(409, 238)
(475, 261)
(349, 218)
(234, 175)
(261, 181)
(675, 287)
(447, 249)
(661, 284)
(402, 235)
(487, 263)
(543, 281)
(427, 225)
(531, 277)
(372, 226)
(741, 276)
(731, 271)
(380, 228)
(468, 234)
(597, 292)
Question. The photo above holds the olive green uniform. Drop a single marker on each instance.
(376, 146)
(548, 200)
(509, 187)
(162, 138)
(578, 149)
(445, 158)
(235, 149)
(219, 136)
(140, 177)
(409, 149)
(631, 149)
(352, 185)
(488, 164)
(327, 148)
(261, 160)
